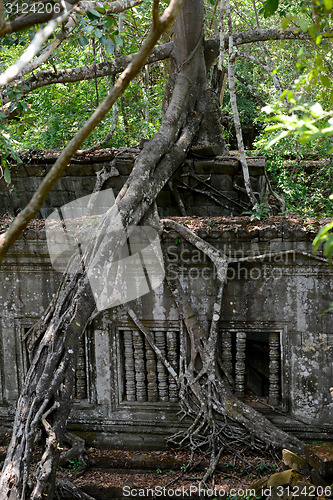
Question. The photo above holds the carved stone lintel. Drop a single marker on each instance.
(172, 344)
(240, 364)
(151, 372)
(162, 375)
(130, 392)
(140, 369)
(274, 368)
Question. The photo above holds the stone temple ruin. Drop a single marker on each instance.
(274, 340)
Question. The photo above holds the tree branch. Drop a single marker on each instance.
(24, 22)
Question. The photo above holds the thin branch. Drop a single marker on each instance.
(1, 14)
(108, 136)
(253, 91)
(83, 7)
(233, 102)
(156, 11)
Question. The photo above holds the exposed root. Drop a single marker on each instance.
(63, 486)
(77, 452)
(219, 419)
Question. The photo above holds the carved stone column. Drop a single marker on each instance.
(140, 369)
(240, 365)
(227, 352)
(274, 368)
(173, 360)
(81, 382)
(162, 374)
(151, 372)
(130, 392)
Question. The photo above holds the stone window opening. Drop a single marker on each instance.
(252, 361)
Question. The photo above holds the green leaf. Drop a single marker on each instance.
(12, 107)
(325, 81)
(285, 23)
(94, 13)
(319, 39)
(328, 4)
(270, 7)
(316, 110)
(321, 236)
(119, 41)
(83, 41)
(88, 29)
(277, 138)
(109, 46)
(6, 175)
(98, 33)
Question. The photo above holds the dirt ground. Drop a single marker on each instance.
(113, 470)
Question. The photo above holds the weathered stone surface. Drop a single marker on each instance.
(318, 480)
(226, 167)
(222, 182)
(294, 461)
(259, 485)
(277, 493)
(320, 457)
(305, 490)
(285, 478)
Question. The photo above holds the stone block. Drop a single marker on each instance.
(203, 200)
(268, 233)
(220, 166)
(299, 235)
(320, 457)
(198, 211)
(294, 461)
(125, 167)
(30, 234)
(57, 199)
(41, 234)
(170, 212)
(256, 161)
(228, 235)
(218, 211)
(259, 485)
(221, 182)
(82, 170)
(116, 183)
(256, 170)
(202, 233)
(35, 170)
(277, 494)
(318, 480)
(165, 199)
(285, 478)
(305, 490)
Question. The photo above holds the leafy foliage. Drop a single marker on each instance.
(325, 238)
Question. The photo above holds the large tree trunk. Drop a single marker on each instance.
(191, 118)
